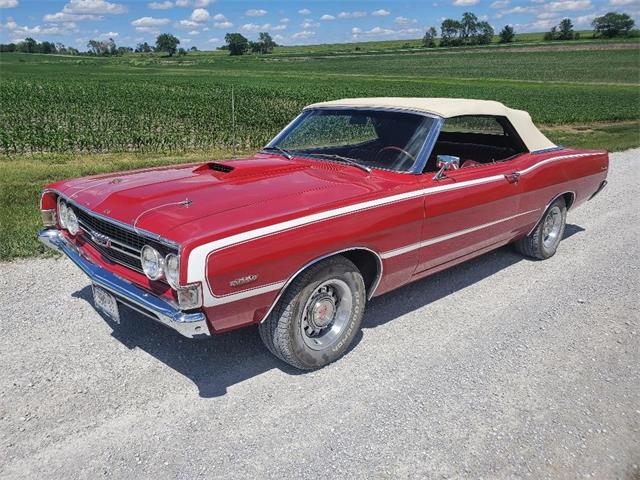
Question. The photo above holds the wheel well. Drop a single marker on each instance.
(569, 198)
(369, 264)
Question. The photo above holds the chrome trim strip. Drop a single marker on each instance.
(191, 325)
(283, 289)
(449, 236)
(552, 159)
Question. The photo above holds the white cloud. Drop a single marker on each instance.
(199, 15)
(356, 31)
(187, 24)
(166, 5)
(465, 3)
(308, 23)
(250, 27)
(254, 27)
(381, 13)
(147, 30)
(405, 21)
(385, 32)
(303, 35)
(218, 17)
(566, 5)
(8, 3)
(203, 3)
(255, 12)
(279, 28)
(214, 40)
(304, 11)
(194, 32)
(150, 22)
(356, 14)
(500, 4)
(284, 20)
(93, 7)
(108, 35)
(68, 17)
(182, 3)
(19, 32)
(619, 3)
(225, 24)
(327, 17)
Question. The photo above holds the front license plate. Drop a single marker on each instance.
(106, 303)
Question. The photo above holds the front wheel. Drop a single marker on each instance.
(543, 241)
(319, 315)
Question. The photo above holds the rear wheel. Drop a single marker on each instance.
(319, 315)
(543, 241)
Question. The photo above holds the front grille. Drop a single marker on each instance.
(125, 244)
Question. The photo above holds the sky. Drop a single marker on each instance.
(203, 23)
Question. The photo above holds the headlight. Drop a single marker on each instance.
(152, 262)
(172, 269)
(63, 211)
(72, 221)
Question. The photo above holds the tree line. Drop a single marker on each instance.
(469, 30)
(165, 43)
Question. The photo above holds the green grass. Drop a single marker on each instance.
(66, 116)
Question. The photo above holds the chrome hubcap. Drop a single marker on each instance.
(326, 314)
(551, 227)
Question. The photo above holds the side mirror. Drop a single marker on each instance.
(445, 163)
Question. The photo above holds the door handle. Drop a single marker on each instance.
(512, 177)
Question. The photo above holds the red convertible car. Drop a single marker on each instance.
(354, 198)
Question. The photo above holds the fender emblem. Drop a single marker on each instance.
(243, 280)
(101, 240)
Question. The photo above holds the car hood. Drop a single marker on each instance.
(160, 200)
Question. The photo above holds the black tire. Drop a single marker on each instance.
(539, 244)
(285, 330)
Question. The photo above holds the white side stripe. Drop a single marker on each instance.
(449, 236)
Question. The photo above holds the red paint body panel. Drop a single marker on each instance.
(455, 218)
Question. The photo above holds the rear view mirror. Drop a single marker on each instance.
(445, 163)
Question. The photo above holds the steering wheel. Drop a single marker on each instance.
(394, 149)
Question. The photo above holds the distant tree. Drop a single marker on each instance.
(507, 34)
(28, 45)
(102, 47)
(450, 35)
(467, 31)
(143, 48)
(612, 25)
(565, 30)
(193, 49)
(266, 43)
(429, 39)
(167, 43)
(182, 52)
(236, 43)
(468, 28)
(7, 47)
(484, 34)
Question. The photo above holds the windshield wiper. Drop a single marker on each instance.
(340, 158)
(284, 152)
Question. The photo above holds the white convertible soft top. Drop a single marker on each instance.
(452, 107)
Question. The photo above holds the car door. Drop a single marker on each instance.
(472, 208)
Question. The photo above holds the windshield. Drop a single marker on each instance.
(370, 138)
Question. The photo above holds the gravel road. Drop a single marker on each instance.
(499, 368)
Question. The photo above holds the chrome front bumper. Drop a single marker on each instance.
(191, 325)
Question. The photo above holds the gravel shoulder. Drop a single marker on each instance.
(499, 368)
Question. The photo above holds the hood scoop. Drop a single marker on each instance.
(214, 166)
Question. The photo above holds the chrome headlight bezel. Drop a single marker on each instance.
(62, 213)
(172, 270)
(152, 263)
(73, 226)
